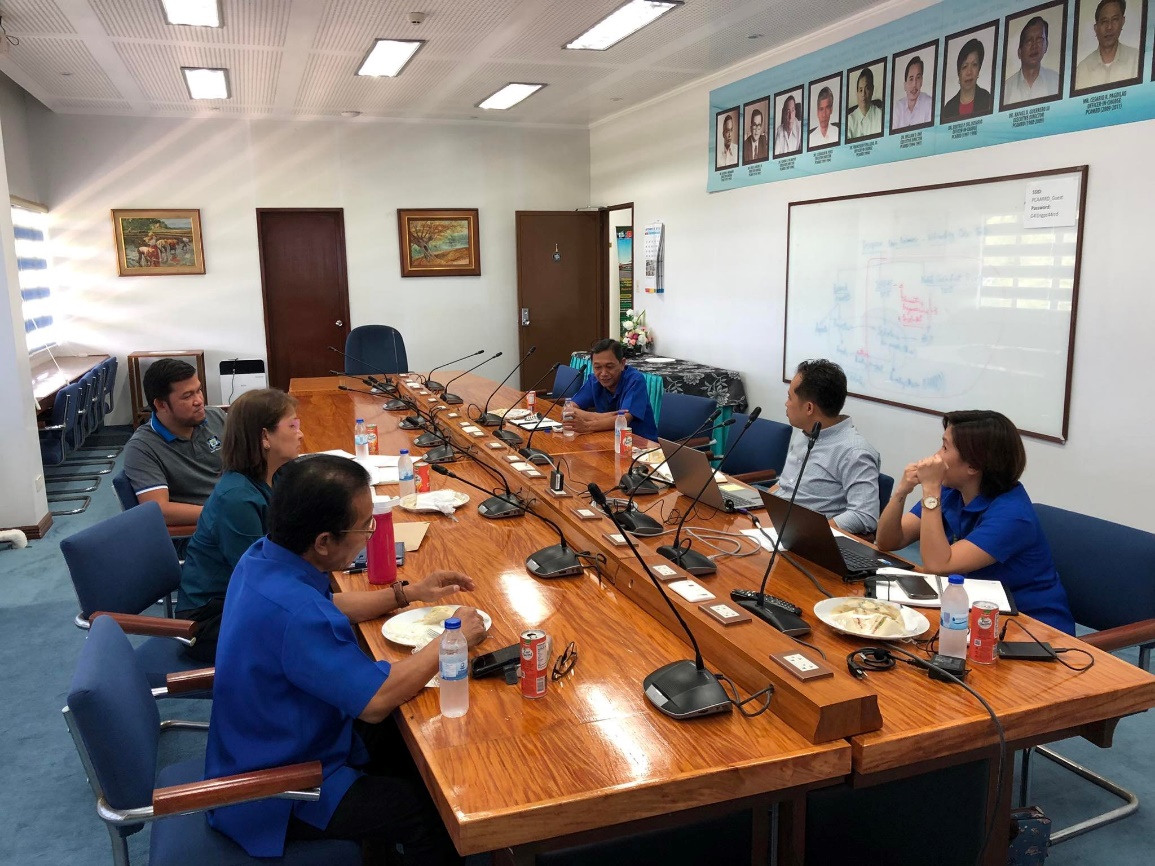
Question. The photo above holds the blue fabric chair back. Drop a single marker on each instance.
(108, 400)
(52, 442)
(124, 491)
(1107, 569)
(73, 435)
(89, 397)
(122, 564)
(763, 447)
(116, 716)
(381, 347)
(566, 382)
(885, 488)
(683, 414)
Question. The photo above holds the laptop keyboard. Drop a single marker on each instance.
(742, 501)
(855, 557)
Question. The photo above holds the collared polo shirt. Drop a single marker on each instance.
(290, 681)
(155, 458)
(1007, 528)
(630, 395)
(233, 518)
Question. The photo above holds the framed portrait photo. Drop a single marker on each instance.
(439, 242)
(914, 73)
(755, 120)
(825, 104)
(1034, 43)
(727, 138)
(157, 243)
(788, 122)
(968, 73)
(865, 110)
(1110, 36)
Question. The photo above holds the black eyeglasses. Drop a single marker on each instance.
(565, 662)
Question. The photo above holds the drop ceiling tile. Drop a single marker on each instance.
(35, 16)
(330, 82)
(156, 68)
(47, 60)
(262, 23)
(352, 25)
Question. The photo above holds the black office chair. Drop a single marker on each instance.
(1106, 569)
(380, 347)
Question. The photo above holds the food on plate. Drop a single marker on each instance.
(868, 616)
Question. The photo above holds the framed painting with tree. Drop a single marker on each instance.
(439, 242)
(154, 243)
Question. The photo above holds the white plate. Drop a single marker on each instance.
(421, 502)
(420, 625)
(914, 623)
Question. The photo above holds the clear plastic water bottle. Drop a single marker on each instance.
(453, 670)
(567, 416)
(954, 618)
(361, 439)
(405, 474)
(620, 424)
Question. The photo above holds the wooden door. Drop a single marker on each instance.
(305, 288)
(561, 286)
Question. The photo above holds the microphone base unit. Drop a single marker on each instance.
(637, 485)
(536, 456)
(451, 399)
(488, 419)
(427, 440)
(554, 561)
(411, 423)
(395, 406)
(497, 507)
(637, 523)
(433, 386)
(682, 690)
(440, 454)
(689, 560)
(788, 623)
(507, 436)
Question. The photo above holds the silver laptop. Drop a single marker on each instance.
(691, 471)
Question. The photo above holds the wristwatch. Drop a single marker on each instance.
(929, 503)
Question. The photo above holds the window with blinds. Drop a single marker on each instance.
(30, 226)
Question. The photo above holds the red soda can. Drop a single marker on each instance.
(534, 670)
(531, 401)
(371, 429)
(984, 627)
(421, 477)
(626, 448)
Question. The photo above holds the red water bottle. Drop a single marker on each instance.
(382, 555)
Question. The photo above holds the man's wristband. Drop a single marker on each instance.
(399, 593)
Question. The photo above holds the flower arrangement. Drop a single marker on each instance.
(635, 334)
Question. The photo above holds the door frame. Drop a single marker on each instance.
(604, 264)
(343, 275)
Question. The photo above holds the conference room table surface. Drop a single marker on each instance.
(895, 723)
(51, 374)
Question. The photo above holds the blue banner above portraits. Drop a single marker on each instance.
(949, 78)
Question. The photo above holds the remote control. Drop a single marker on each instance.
(751, 595)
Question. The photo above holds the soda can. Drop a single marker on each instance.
(984, 625)
(421, 477)
(371, 429)
(531, 401)
(533, 672)
(626, 446)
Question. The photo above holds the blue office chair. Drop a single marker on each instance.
(683, 415)
(1106, 570)
(885, 489)
(760, 455)
(381, 347)
(112, 716)
(566, 382)
(121, 566)
(54, 452)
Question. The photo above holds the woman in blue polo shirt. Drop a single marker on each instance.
(262, 434)
(975, 518)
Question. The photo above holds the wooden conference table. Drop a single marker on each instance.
(594, 756)
(49, 375)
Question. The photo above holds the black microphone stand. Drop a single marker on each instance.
(780, 618)
(692, 561)
(508, 436)
(375, 385)
(431, 437)
(437, 386)
(639, 483)
(496, 506)
(683, 689)
(454, 399)
(387, 385)
(536, 455)
(487, 420)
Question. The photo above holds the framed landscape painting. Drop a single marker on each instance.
(439, 242)
(155, 243)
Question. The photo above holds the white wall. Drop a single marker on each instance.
(228, 168)
(725, 279)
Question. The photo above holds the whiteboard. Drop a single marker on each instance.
(940, 298)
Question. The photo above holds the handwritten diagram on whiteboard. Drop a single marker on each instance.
(942, 298)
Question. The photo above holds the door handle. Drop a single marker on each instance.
(339, 323)
(525, 316)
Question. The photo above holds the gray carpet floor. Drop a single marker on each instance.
(49, 809)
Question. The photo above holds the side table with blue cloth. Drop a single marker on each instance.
(724, 387)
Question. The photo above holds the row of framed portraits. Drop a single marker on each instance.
(896, 95)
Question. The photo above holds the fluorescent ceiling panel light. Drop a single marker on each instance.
(206, 83)
(510, 95)
(197, 13)
(619, 24)
(389, 56)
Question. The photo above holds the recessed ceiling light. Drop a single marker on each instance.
(350, 114)
(206, 83)
(197, 13)
(509, 96)
(388, 57)
(619, 24)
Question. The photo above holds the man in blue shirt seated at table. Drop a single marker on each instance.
(293, 685)
(614, 385)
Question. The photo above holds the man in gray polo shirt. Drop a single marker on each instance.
(841, 478)
(175, 459)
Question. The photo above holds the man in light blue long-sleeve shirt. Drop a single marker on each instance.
(841, 478)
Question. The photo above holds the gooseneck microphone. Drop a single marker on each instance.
(684, 689)
(487, 420)
(376, 385)
(437, 386)
(536, 455)
(692, 561)
(508, 436)
(783, 620)
(357, 391)
(432, 436)
(496, 506)
(453, 399)
(639, 483)
(386, 384)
